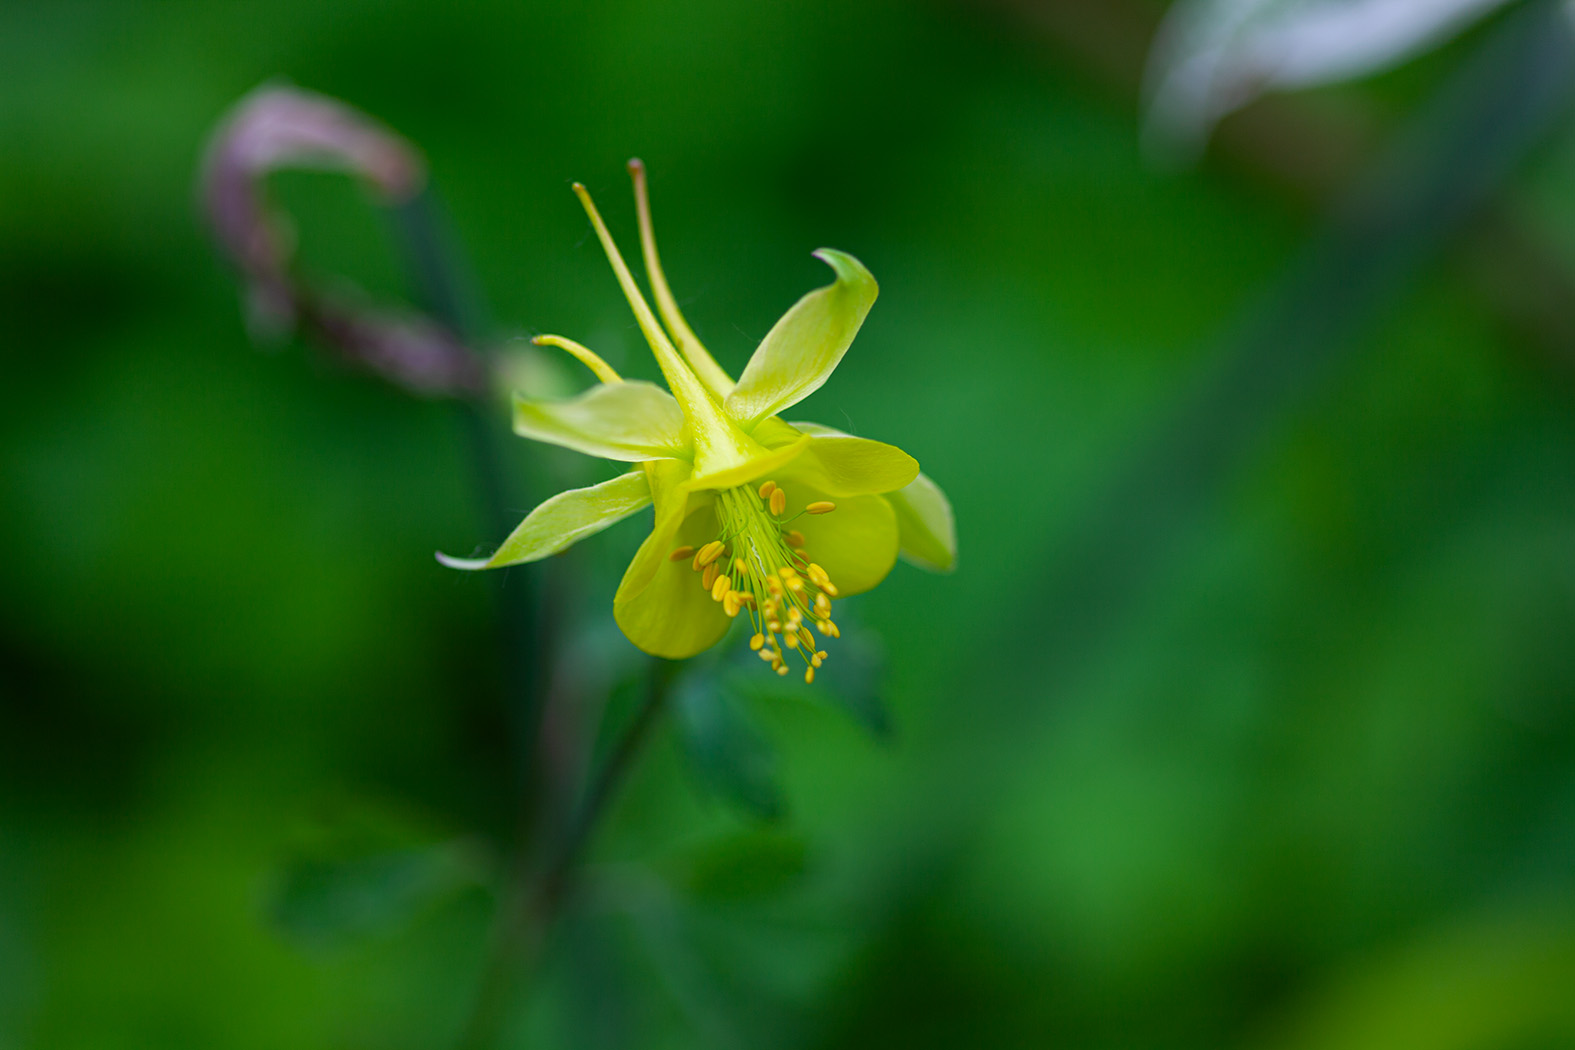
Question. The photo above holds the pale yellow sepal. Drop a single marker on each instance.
(800, 352)
(629, 421)
(927, 531)
(843, 465)
(564, 520)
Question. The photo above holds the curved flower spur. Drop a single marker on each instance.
(753, 516)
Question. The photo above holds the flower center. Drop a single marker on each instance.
(759, 565)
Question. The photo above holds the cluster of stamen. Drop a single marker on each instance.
(759, 566)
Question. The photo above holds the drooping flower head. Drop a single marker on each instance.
(754, 516)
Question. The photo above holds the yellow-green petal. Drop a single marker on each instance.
(773, 433)
(660, 605)
(756, 467)
(856, 543)
(564, 520)
(926, 530)
(801, 350)
(843, 465)
(628, 421)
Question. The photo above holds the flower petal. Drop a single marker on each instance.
(758, 467)
(773, 433)
(925, 527)
(801, 350)
(666, 478)
(564, 520)
(660, 604)
(628, 421)
(843, 465)
(856, 543)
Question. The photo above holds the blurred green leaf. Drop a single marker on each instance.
(749, 864)
(328, 901)
(852, 681)
(730, 754)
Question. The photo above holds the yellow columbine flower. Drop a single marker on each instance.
(754, 516)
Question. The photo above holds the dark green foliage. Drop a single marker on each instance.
(326, 901)
(728, 750)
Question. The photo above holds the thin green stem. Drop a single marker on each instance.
(526, 919)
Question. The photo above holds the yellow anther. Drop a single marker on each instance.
(809, 675)
(818, 574)
(757, 641)
(778, 502)
(774, 586)
(680, 553)
(807, 638)
(773, 626)
(830, 588)
(708, 578)
(740, 566)
(767, 489)
(720, 587)
(787, 572)
(815, 661)
(824, 506)
(796, 585)
(790, 640)
(821, 656)
(769, 656)
(746, 598)
(831, 629)
(782, 670)
(822, 606)
(794, 538)
(730, 603)
(710, 552)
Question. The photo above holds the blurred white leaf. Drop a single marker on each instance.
(1211, 57)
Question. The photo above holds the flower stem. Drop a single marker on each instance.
(527, 917)
(555, 880)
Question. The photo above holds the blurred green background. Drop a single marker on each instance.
(1247, 721)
